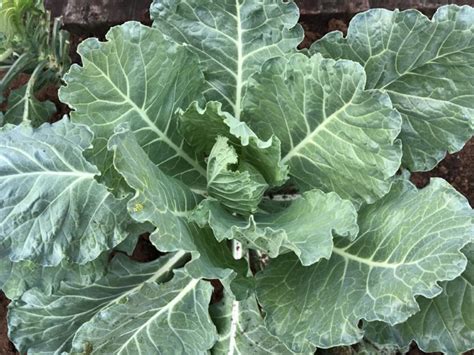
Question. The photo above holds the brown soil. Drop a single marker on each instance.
(144, 250)
(6, 347)
(457, 169)
(50, 93)
(316, 27)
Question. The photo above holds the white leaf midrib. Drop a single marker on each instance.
(369, 262)
(240, 64)
(310, 137)
(163, 270)
(234, 322)
(77, 174)
(144, 116)
(167, 308)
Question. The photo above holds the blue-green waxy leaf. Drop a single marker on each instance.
(426, 66)
(200, 127)
(140, 78)
(160, 199)
(242, 329)
(167, 203)
(444, 323)
(17, 278)
(51, 206)
(408, 242)
(306, 227)
(336, 136)
(240, 190)
(231, 38)
(168, 318)
(129, 311)
(23, 106)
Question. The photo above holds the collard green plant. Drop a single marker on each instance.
(32, 46)
(211, 129)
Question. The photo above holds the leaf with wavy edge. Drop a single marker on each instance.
(236, 185)
(160, 318)
(408, 242)
(136, 77)
(106, 307)
(335, 135)
(242, 330)
(17, 278)
(159, 199)
(424, 66)
(306, 227)
(135, 231)
(51, 206)
(167, 203)
(444, 323)
(232, 38)
(200, 127)
(365, 347)
(20, 103)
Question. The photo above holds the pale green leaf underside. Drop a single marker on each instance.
(51, 206)
(238, 186)
(125, 312)
(335, 135)
(21, 106)
(408, 241)
(242, 330)
(140, 78)
(166, 203)
(444, 324)
(201, 127)
(232, 38)
(306, 227)
(425, 66)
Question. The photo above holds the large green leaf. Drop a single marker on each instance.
(127, 311)
(200, 127)
(425, 66)
(167, 203)
(160, 199)
(17, 278)
(51, 206)
(445, 323)
(306, 227)
(237, 185)
(408, 241)
(141, 78)
(232, 38)
(242, 330)
(22, 106)
(335, 135)
(164, 319)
